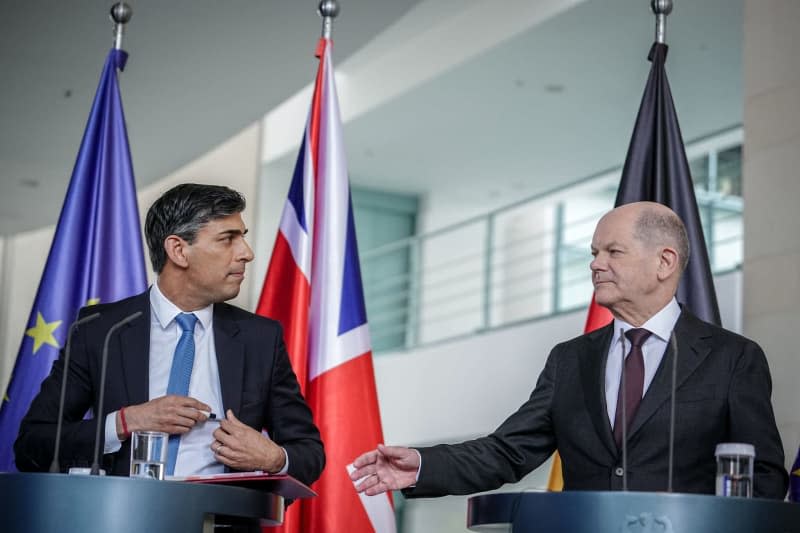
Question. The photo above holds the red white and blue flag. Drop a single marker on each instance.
(313, 288)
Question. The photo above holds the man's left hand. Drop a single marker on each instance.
(241, 447)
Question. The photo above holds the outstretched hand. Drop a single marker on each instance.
(386, 468)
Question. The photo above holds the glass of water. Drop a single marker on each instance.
(149, 454)
(735, 469)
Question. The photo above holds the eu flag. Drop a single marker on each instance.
(96, 254)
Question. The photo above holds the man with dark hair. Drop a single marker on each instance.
(233, 363)
(722, 393)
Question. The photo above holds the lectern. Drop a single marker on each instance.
(38, 503)
(628, 512)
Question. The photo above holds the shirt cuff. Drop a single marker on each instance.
(416, 479)
(285, 468)
(112, 442)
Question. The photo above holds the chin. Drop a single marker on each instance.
(602, 297)
(231, 295)
(227, 295)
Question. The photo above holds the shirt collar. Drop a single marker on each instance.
(165, 311)
(661, 324)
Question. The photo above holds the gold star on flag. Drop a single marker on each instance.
(796, 472)
(92, 301)
(42, 333)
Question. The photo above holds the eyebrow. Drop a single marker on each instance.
(233, 232)
(612, 244)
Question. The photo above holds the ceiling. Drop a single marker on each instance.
(552, 105)
(199, 71)
(546, 106)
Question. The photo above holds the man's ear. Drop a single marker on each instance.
(667, 263)
(176, 249)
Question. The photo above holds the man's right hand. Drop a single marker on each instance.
(171, 414)
(386, 468)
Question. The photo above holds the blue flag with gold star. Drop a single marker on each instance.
(96, 254)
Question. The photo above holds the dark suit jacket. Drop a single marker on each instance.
(723, 395)
(256, 380)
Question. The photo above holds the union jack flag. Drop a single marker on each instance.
(313, 288)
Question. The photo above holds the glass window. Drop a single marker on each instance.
(729, 171)
(699, 169)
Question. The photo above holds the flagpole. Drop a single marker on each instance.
(328, 10)
(121, 14)
(661, 8)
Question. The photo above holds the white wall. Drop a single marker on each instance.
(23, 264)
(771, 189)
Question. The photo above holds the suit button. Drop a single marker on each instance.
(618, 471)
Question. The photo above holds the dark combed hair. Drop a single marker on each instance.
(183, 211)
(664, 229)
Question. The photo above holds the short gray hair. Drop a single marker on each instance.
(663, 229)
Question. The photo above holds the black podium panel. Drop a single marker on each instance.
(628, 512)
(37, 503)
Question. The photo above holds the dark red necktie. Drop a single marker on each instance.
(634, 381)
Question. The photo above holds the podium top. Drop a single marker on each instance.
(628, 512)
(60, 502)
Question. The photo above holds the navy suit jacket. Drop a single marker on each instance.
(723, 395)
(256, 380)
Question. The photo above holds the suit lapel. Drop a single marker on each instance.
(593, 369)
(692, 350)
(134, 343)
(230, 358)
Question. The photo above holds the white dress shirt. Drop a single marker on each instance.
(660, 325)
(194, 454)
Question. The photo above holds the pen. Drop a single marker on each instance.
(212, 417)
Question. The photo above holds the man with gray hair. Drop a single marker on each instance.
(233, 363)
(722, 393)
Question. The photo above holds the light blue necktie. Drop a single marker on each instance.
(180, 376)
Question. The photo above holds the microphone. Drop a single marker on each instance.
(674, 344)
(54, 466)
(624, 415)
(99, 413)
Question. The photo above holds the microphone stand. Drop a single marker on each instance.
(674, 344)
(99, 414)
(624, 415)
(54, 465)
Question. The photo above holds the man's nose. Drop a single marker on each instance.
(246, 253)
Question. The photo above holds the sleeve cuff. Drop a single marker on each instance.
(285, 468)
(416, 479)
(112, 442)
